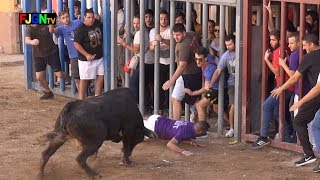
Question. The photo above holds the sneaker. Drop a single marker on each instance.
(305, 160)
(230, 133)
(202, 135)
(316, 169)
(47, 95)
(260, 142)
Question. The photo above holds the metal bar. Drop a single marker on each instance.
(282, 73)
(156, 59)
(28, 52)
(83, 7)
(128, 38)
(301, 34)
(71, 9)
(222, 76)
(205, 25)
(188, 16)
(238, 68)
(188, 28)
(72, 17)
(265, 38)
(300, 1)
(230, 3)
(61, 52)
(38, 6)
(246, 66)
(172, 51)
(114, 53)
(142, 57)
(95, 6)
(106, 43)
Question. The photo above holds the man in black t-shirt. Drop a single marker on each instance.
(44, 52)
(88, 41)
(310, 67)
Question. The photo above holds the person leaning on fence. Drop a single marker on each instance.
(163, 39)
(176, 132)
(66, 31)
(270, 106)
(88, 41)
(227, 60)
(207, 63)
(149, 60)
(45, 52)
(187, 74)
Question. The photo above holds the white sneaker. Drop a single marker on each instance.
(230, 133)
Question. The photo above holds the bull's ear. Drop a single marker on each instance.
(151, 134)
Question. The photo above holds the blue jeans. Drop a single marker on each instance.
(271, 111)
(316, 130)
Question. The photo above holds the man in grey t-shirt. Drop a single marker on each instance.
(227, 60)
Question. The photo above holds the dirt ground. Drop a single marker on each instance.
(23, 118)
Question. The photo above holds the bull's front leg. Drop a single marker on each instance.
(127, 150)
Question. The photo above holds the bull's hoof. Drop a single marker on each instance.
(127, 163)
(94, 175)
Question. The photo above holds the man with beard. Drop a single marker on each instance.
(270, 107)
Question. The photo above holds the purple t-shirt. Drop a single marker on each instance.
(180, 130)
(293, 66)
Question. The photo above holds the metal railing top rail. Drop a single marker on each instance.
(230, 3)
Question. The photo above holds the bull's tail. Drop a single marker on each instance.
(59, 126)
(150, 133)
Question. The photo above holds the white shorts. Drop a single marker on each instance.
(151, 122)
(296, 99)
(178, 90)
(90, 69)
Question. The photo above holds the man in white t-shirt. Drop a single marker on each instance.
(164, 39)
(149, 59)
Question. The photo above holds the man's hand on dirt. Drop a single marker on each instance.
(187, 153)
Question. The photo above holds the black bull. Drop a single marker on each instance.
(114, 116)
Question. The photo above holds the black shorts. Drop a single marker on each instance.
(192, 82)
(74, 68)
(40, 63)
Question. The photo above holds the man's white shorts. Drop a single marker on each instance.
(178, 90)
(151, 122)
(90, 69)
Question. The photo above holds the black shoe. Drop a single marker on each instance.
(316, 169)
(260, 142)
(305, 160)
(47, 95)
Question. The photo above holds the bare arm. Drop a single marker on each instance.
(270, 19)
(275, 71)
(214, 78)
(30, 41)
(290, 82)
(135, 48)
(197, 92)
(88, 56)
(181, 67)
(52, 29)
(80, 49)
(173, 146)
(314, 92)
(282, 63)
